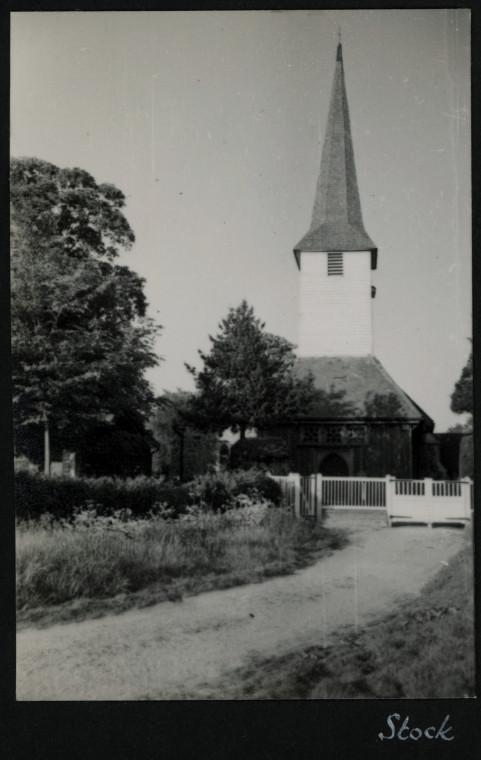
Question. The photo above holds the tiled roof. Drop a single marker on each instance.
(336, 218)
(357, 387)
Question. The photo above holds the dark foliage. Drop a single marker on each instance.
(462, 396)
(60, 497)
(331, 403)
(247, 379)
(449, 452)
(81, 339)
(38, 494)
(122, 450)
(386, 405)
(268, 452)
(183, 451)
(462, 401)
(218, 489)
(269, 489)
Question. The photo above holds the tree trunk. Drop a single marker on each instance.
(242, 431)
(46, 446)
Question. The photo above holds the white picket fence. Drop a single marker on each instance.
(404, 501)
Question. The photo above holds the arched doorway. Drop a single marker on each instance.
(334, 466)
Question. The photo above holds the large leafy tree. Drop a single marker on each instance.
(247, 379)
(81, 338)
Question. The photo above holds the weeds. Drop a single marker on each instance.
(92, 564)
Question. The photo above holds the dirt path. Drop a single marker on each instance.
(182, 650)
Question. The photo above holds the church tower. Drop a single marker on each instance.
(336, 255)
(359, 421)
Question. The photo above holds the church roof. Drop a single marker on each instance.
(336, 218)
(357, 387)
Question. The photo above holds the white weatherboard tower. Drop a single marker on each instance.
(359, 421)
(336, 256)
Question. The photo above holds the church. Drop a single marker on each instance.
(361, 422)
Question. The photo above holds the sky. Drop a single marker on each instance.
(211, 123)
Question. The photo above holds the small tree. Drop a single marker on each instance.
(462, 396)
(462, 402)
(247, 379)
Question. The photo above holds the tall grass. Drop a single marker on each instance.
(95, 564)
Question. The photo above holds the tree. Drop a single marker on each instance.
(183, 450)
(125, 449)
(462, 401)
(81, 339)
(247, 379)
(462, 396)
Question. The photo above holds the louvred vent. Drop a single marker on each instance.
(334, 263)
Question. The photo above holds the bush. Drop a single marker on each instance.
(220, 489)
(267, 453)
(269, 489)
(38, 494)
(214, 490)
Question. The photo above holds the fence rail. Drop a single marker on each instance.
(425, 501)
(345, 492)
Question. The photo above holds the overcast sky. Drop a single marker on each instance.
(211, 123)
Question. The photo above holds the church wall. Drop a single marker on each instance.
(388, 451)
(335, 310)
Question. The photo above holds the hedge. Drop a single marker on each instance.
(268, 452)
(38, 494)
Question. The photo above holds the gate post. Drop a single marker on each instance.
(428, 495)
(318, 496)
(466, 490)
(389, 492)
(295, 478)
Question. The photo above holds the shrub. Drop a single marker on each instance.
(267, 453)
(213, 490)
(269, 489)
(219, 490)
(38, 494)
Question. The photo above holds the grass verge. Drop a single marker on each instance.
(423, 650)
(95, 565)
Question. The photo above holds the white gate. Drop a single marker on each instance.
(405, 501)
(354, 493)
(308, 494)
(429, 501)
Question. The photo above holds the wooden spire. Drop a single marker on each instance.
(336, 218)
